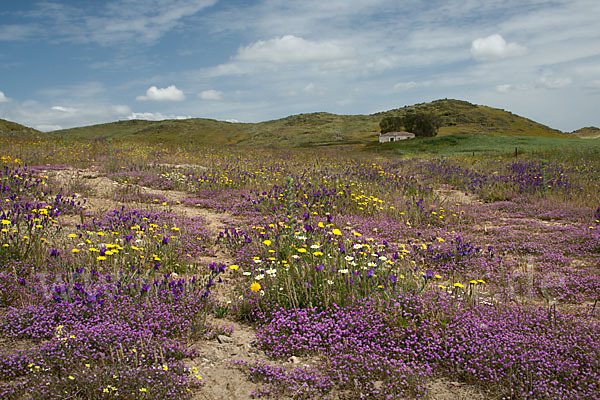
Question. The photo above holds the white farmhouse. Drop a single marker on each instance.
(395, 136)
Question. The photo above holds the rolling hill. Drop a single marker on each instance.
(315, 129)
(12, 129)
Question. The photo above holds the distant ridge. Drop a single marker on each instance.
(12, 129)
(589, 132)
(315, 129)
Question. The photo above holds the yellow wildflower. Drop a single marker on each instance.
(255, 287)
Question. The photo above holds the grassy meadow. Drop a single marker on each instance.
(462, 144)
(441, 268)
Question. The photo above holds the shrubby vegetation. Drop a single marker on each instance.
(421, 124)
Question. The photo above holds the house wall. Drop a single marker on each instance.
(395, 138)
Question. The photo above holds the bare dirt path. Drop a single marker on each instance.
(222, 379)
(451, 196)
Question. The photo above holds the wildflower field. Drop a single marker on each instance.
(135, 271)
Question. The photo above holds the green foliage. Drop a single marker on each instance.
(391, 124)
(422, 124)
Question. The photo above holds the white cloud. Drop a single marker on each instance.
(309, 88)
(554, 83)
(588, 69)
(544, 82)
(154, 116)
(116, 21)
(170, 93)
(121, 109)
(400, 86)
(47, 128)
(494, 47)
(17, 32)
(439, 38)
(312, 89)
(282, 55)
(290, 49)
(77, 91)
(3, 98)
(510, 87)
(210, 94)
(64, 109)
(45, 117)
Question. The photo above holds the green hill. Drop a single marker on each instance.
(589, 132)
(14, 130)
(315, 129)
(462, 117)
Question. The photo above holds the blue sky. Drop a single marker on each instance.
(74, 63)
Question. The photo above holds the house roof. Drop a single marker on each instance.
(397, 134)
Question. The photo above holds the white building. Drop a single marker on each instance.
(395, 136)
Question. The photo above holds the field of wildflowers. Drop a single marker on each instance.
(129, 270)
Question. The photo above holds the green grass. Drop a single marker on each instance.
(499, 145)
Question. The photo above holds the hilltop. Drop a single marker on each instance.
(315, 129)
(462, 117)
(12, 129)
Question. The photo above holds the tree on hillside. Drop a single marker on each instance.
(391, 124)
(419, 123)
(422, 124)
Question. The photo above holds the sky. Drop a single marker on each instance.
(73, 63)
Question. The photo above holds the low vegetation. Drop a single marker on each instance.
(125, 266)
(490, 145)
